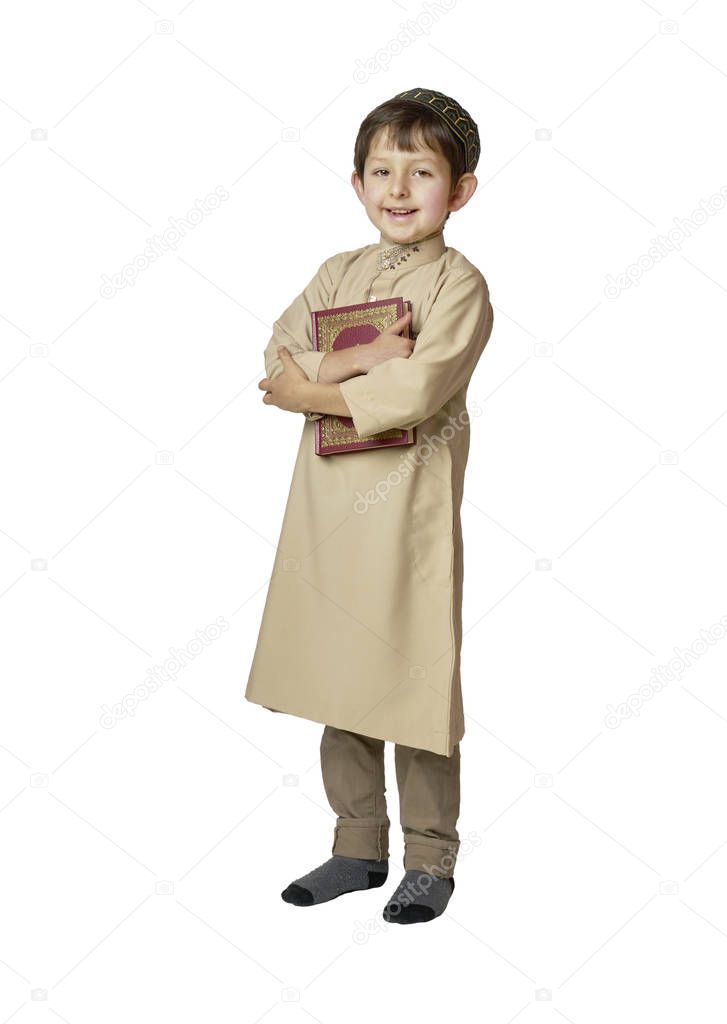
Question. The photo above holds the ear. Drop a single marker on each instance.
(357, 185)
(463, 192)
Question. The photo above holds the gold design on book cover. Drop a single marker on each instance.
(329, 327)
(333, 431)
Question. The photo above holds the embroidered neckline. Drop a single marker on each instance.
(392, 256)
(387, 259)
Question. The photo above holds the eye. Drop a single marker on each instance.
(382, 170)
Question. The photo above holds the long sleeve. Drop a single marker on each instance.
(403, 392)
(293, 329)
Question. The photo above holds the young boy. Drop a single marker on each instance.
(362, 628)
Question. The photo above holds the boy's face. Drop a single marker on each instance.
(418, 182)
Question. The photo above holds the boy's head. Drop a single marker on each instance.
(415, 152)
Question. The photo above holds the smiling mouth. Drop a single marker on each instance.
(399, 212)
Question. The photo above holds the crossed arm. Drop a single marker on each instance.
(294, 392)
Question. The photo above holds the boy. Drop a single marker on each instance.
(361, 629)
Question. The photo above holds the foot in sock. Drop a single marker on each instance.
(336, 876)
(418, 897)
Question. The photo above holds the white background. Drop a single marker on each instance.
(142, 864)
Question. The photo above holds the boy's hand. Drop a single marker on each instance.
(285, 390)
(387, 345)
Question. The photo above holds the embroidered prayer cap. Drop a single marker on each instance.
(454, 116)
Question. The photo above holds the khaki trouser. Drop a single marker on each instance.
(353, 776)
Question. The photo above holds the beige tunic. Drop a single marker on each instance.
(362, 623)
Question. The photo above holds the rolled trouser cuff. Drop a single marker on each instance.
(362, 837)
(435, 856)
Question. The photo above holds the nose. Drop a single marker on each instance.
(397, 186)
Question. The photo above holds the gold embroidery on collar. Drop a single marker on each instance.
(386, 259)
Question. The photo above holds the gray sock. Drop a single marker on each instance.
(418, 897)
(335, 877)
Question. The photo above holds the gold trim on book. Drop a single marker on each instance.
(333, 431)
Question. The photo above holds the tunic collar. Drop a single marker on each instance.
(391, 256)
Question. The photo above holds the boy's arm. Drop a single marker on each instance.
(340, 365)
(293, 329)
(405, 392)
(324, 398)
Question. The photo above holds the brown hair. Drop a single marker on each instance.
(403, 121)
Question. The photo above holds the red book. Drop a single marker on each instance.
(341, 327)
